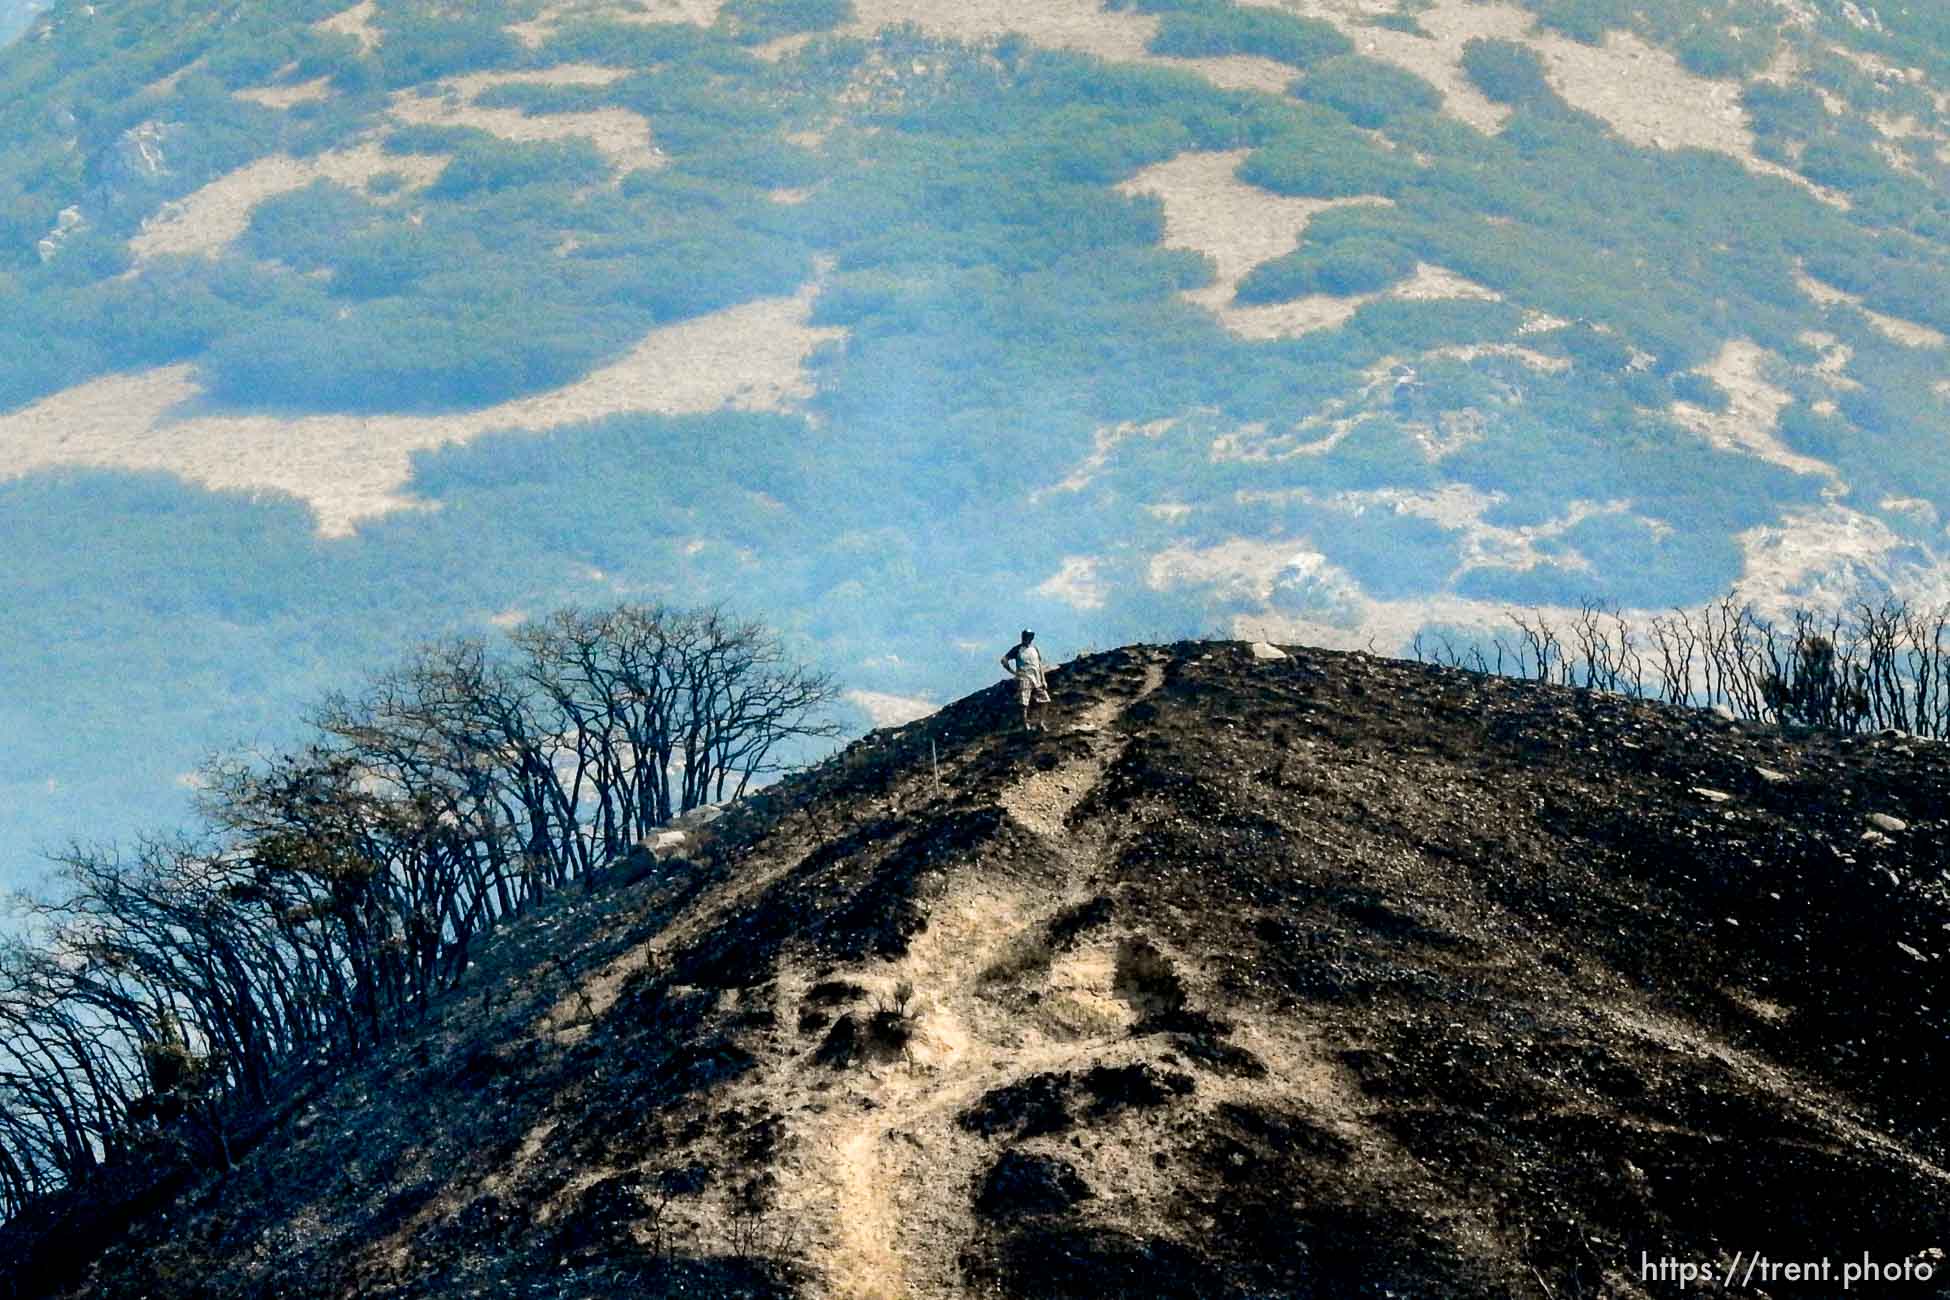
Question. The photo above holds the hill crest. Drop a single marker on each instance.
(1316, 976)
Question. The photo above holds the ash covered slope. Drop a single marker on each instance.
(1323, 976)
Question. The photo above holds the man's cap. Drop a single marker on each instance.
(1026, 632)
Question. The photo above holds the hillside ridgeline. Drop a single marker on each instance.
(1319, 975)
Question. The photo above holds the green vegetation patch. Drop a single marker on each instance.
(540, 98)
(1003, 302)
(708, 50)
(1582, 20)
(1403, 18)
(1845, 164)
(1191, 30)
(1507, 73)
(484, 166)
(752, 22)
(1777, 111)
(1327, 163)
(693, 116)
(421, 41)
(1349, 266)
(475, 302)
(1367, 92)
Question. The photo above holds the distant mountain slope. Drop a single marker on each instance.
(333, 327)
(1318, 976)
(16, 16)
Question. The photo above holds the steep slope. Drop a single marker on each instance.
(1318, 975)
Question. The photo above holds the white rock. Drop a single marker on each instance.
(1722, 711)
(1267, 650)
(1876, 837)
(68, 223)
(702, 815)
(1711, 796)
(665, 842)
(1912, 952)
(1884, 822)
(1769, 775)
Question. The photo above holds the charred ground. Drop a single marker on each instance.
(1320, 976)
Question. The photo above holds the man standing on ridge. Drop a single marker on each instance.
(1026, 662)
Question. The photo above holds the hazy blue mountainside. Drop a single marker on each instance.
(16, 15)
(325, 330)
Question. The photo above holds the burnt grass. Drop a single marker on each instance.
(1577, 1013)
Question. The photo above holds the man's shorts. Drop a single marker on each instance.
(1029, 690)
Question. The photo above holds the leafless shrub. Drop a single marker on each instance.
(338, 887)
(1876, 664)
(749, 1228)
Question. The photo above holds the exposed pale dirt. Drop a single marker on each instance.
(1257, 441)
(1076, 583)
(1538, 361)
(1895, 329)
(1287, 320)
(287, 96)
(567, 1022)
(167, 85)
(1081, 25)
(351, 467)
(1750, 422)
(1437, 57)
(357, 23)
(1878, 67)
(1832, 368)
(1908, 333)
(1640, 90)
(623, 136)
(207, 221)
(1380, 625)
(865, 1167)
(1209, 210)
(889, 710)
(1456, 507)
(1823, 554)
(875, 1165)
(1809, 555)
(536, 31)
(1812, 554)
(1429, 283)
(1103, 443)
(471, 84)
(1240, 568)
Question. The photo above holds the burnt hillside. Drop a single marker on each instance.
(1317, 976)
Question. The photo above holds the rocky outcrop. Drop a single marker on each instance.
(67, 225)
(139, 155)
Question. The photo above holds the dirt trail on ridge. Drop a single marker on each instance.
(888, 1165)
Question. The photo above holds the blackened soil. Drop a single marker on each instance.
(1018, 1185)
(1111, 1088)
(1442, 986)
(1037, 1105)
